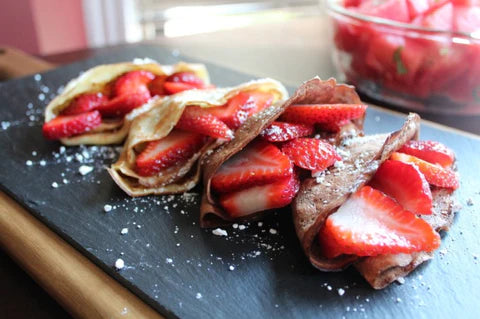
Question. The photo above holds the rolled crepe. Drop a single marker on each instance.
(314, 91)
(160, 120)
(95, 80)
(319, 197)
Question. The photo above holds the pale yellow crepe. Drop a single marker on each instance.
(94, 80)
(160, 120)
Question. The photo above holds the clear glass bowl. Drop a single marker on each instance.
(425, 70)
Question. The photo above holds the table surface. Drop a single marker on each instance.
(291, 52)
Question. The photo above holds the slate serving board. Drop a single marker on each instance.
(183, 271)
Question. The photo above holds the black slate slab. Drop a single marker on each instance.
(183, 271)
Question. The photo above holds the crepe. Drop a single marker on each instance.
(95, 80)
(319, 197)
(314, 91)
(161, 119)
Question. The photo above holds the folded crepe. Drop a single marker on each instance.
(314, 91)
(321, 196)
(160, 120)
(97, 79)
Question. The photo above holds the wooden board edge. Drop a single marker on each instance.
(82, 288)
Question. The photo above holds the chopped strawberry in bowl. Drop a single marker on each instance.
(422, 55)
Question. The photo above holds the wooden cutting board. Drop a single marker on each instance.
(183, 271)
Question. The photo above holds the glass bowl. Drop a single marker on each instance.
(421, 69)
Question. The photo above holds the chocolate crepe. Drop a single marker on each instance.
(160, 120)
(314, 91)
(321, 196)
(95, 80)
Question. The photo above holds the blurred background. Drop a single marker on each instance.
(43, 27)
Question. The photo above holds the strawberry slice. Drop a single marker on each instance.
(282, 131)
(123, 104)
(406, 184)
(175, 148)
(258, 164)
(260, 198)
(323, 113)
(182, 81)
(430, 151)
(187, 78)
(238, 108)
(311, 153)
(434, 174)
(69, 125)
(195, 119)
(174, 87)
(157, 86)
(333, 127)
(85, 103)
(132, 82)
(370, 223)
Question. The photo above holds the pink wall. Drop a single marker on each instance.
(17, 28)
(42, 26)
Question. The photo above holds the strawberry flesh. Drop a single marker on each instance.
(175, 148)
(123, 104)
(132, 82)
(177, 87)
(187, 78)
(258, 164)
(238, 108)
(259, 198)
(282, 131)
(370, 223)
(406, 184)
(434, 174)
(157, 86)
(323, 113)
(310, 153)
(69, 125)
(195, 119)
(430, 151)
(85, 103)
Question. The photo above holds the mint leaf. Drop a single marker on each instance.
(397, 58)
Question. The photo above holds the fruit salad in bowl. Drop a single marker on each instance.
(422, 55)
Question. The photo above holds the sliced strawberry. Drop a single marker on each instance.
(282, 131)
(311, 153)
(176, 147)
(195, 119)
(370, 223)
(260, 198)
(174, 87)
(430, 151)
(406, 184)
(238, 108)
(157, 85)
(132, 82)
(123, 104)
(434, 174)
(187, 78)
(69, 125)
(258, 164)
(85, 103)
(323, 113)
(333, 127)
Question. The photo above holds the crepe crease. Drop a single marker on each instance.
(95, 80)
(157, 123)
(319, 197)
(314, 91)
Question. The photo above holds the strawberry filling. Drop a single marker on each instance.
(200, 124)
(382, 218)
(121, 96)
(258, 177)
